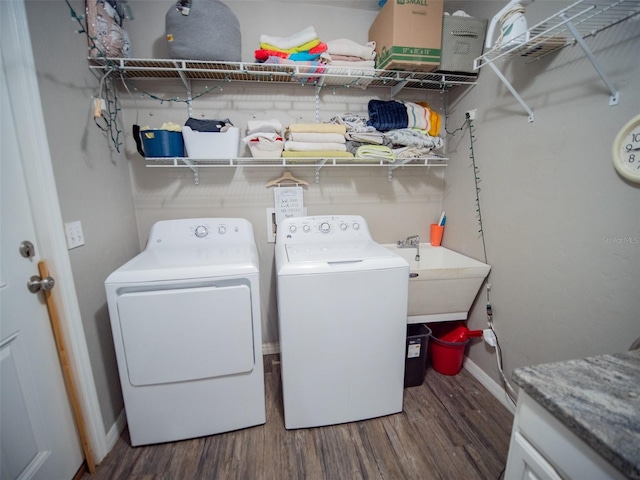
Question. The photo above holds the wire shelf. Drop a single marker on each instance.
(587, 16)
(325, 76)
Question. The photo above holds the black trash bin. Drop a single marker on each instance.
(415, 359)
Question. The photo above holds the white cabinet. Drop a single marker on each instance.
(543, 448)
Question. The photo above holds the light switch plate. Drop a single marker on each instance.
(73, 232)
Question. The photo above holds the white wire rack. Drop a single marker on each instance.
(317, 163)
(571, 25)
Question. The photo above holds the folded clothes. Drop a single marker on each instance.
(344, 46)
(317, 127)
(319, 154)
(387, 115)
(366, 137)
(262, 137)
(255, 126)
(376, 152)
(316, 137)
(292, 41)
(292, 146)
(413, 138)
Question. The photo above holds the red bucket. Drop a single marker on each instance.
(446, 357)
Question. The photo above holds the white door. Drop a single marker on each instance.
(38, 438)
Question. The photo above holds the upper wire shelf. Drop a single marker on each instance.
(587, 16)
(326, 76)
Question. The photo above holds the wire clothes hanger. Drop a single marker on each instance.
(286, 179)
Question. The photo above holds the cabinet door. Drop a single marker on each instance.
(526, 463)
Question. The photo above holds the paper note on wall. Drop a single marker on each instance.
(288, 203)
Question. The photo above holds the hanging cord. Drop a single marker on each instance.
(511, 394)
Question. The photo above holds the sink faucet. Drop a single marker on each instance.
(411, 242)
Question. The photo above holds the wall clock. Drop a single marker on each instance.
(626, 150)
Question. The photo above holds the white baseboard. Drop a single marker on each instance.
(116, 429)
(490, 384)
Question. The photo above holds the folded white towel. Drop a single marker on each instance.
(316, 137)
(292, 41)
(255, 126)
(292, 146)
(344, 46)
(262, 137)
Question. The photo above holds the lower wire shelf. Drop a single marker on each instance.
(291, 162)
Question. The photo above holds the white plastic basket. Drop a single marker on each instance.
(211, 144)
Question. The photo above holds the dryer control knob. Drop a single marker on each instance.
(356, 226)
(343, 226)
(325, 227)
(222, 229)
(201, 231)
(306, 228)
(293, 229)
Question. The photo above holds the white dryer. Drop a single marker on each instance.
(342, 314)
(185, 317)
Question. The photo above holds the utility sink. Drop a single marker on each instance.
(442, 284)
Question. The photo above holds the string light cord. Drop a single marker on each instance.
(511, 394)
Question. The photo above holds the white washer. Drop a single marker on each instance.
(185, 317)
(342, 308)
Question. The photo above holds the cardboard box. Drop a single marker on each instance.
(408, 35)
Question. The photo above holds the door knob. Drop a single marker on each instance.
(36, 283)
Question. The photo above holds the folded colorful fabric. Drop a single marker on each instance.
(304, 68)
(299, 48)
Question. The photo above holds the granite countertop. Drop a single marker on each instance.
(597, 398)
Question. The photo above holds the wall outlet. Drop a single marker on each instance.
(73, 232)
(471, 114)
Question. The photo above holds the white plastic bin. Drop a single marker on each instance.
(211, 144)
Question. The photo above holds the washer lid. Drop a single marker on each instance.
(174, 263)
(338, 256)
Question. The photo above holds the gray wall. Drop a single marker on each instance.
(562, 229)
(556, 216)
(92, 179)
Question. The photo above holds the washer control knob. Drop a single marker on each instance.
(343, 226)
(306, 228)
(293, 229)
(201, 231)
(325, 227)
(356, 226)
(222, 229)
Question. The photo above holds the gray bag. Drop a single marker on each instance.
(203, 30)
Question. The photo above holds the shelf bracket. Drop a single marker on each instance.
(513, 91)
(396, 89)
(194, 169)
(613, 99)
(319, 166)
(187, 86)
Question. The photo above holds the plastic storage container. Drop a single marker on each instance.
(415, 360)
(162, 143)
(211, 144)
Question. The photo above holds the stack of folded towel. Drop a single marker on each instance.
(343, 54)
(303, 46)
(316, 140)
(264, 138)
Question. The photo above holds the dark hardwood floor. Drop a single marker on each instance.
(451, 428)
